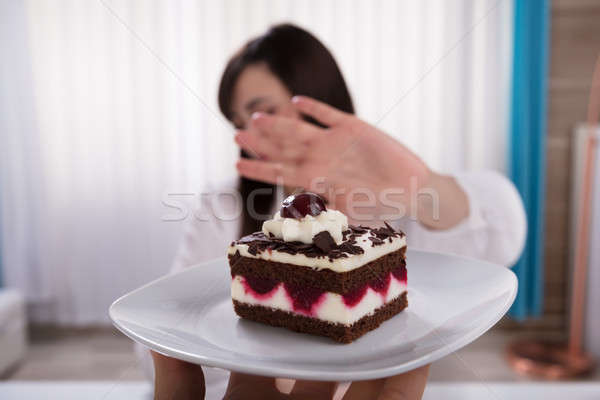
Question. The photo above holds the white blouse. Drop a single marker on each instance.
(494, 231)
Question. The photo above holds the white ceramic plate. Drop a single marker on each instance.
(189, 315)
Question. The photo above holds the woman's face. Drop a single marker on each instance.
(258, 90)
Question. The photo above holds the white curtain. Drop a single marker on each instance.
(110, 106)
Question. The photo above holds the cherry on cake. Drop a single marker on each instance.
(311, 272)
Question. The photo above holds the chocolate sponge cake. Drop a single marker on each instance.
(311, 272)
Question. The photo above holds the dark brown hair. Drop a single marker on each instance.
(305, 66)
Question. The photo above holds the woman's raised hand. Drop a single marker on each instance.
(345, 157)
(347, 153)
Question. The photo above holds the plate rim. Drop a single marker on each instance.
(283, 372)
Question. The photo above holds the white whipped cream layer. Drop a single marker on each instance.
(303, 230)
(331, 309)
(345, 264)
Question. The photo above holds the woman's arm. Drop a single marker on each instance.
(442, 204)
(494, 230)
(372, 177)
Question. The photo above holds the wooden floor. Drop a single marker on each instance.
(78, 354)
(104, 354)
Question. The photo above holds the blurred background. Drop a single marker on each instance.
(108, 113)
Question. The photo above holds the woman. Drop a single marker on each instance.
(285, 94)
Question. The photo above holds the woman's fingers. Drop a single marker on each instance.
(177, 380)
(407, 386)
(322, 112)
(271, 172)
(248, 387)
(256, 146)
(284, 129)
(364, 390)
(270, 150)
(276, 138)
(313, 390)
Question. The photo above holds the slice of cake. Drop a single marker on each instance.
(309, 271)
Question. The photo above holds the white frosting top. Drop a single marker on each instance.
(303, 230)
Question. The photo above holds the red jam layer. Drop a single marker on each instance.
(305, 299)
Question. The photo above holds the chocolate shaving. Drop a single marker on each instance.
(323, 244)
(383, 233)
(345, 234)
(375, 241)
(324, 241)
(349, 248)
(359, 229)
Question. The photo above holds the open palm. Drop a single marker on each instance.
(347, 154)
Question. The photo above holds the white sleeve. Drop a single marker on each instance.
(207, 233)
(495, 229)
